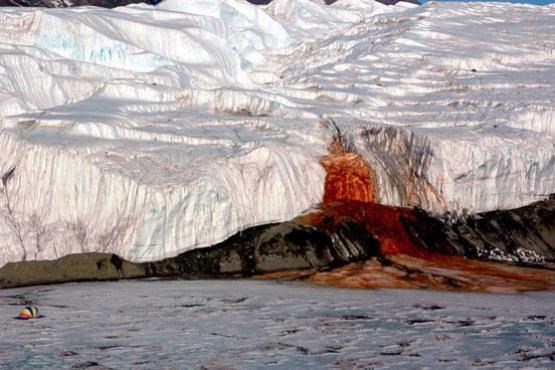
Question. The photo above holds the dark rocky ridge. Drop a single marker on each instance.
(524, 236)
(258, 250)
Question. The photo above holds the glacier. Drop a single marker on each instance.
(147, 131)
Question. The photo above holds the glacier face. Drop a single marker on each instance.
(151, 130)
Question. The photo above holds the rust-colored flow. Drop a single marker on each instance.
(350, 195)
(348, 177)
(382, 222)
(443, 273)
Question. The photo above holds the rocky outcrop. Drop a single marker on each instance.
(525, 235)
(264, 249)
(289, 245)
(76, 267)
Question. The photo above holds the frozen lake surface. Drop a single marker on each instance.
(258, 324)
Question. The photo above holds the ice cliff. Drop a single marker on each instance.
(147, 131)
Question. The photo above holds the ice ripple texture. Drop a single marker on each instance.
(147, 131)
(252, 325)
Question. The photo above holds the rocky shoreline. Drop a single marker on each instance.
(352, 244)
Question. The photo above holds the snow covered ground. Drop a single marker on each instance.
(148, 131)
(250, 324)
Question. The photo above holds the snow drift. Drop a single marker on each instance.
(147, 131)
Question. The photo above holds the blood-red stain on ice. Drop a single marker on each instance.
(350, 196)
(350, 193)
(348, 177)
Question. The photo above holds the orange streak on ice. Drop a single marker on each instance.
(348, 177)
(350, 195)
